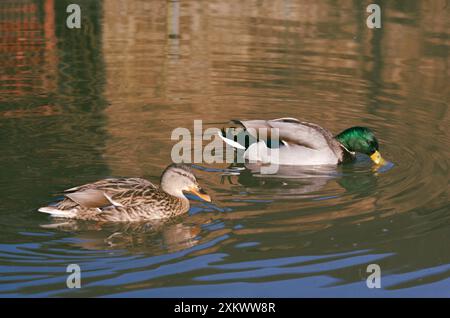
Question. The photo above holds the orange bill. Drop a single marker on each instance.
(201, 194)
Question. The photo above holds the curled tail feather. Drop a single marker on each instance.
(230, 142)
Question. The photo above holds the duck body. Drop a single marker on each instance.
(293, 155)
(299, 142)
(129, 199)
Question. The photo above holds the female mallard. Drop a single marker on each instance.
(130, 199)
(293, 142)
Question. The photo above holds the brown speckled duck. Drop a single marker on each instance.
(130, 199)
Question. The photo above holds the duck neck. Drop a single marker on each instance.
(178, 199)
(342, 139)
(174, 191)
(349, 139)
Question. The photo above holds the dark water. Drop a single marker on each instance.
(80, 105)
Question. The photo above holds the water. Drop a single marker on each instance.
(80, 105)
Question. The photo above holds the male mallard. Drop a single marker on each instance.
(302, 143)
(130, 199)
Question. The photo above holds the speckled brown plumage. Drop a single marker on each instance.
(140, 199)
(128, 199)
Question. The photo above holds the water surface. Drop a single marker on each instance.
(80, 105)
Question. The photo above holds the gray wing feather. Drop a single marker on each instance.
(293, 131)
(90, 198)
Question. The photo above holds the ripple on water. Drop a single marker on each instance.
(109, 109)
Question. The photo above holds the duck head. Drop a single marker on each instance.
(178, 178)
(362, 140)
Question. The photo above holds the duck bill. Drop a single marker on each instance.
(201, 194)
(376, 158)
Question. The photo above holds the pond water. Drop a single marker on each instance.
(78, 105)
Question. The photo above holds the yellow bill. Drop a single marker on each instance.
(376, 157)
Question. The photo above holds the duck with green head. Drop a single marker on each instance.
(301, 143)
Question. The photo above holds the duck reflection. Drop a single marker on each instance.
(302, 180)
(159, 236)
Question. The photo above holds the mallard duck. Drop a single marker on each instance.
(130, 199)
(301, 143)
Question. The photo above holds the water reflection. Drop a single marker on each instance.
(162, 236)
(80, 105)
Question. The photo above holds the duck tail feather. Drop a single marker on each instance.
(230, 142)
(57, 213)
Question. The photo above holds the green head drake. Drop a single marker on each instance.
(362, 140)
